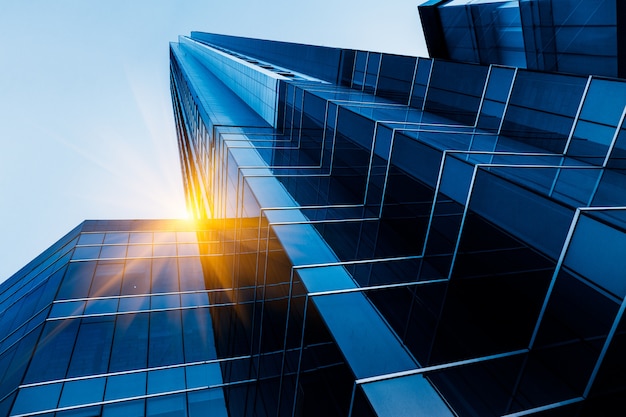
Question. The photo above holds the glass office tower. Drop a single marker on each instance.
(455, 230)
(375, 235)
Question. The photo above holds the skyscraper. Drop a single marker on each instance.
(375, 234)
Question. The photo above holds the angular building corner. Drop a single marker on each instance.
(375, 235)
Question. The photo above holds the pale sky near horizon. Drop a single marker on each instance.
(86, 126)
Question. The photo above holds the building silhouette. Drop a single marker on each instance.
(375, 235)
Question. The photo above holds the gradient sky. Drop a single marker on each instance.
(86, 126)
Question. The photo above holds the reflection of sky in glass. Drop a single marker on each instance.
(86, 126)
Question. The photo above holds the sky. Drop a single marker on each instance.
(86, 125)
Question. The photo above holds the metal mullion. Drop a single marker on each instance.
(384, 191)
(577, 116)
(535, 410)
(614, 140)
(299, 368)
(430, 74)
(506, 104)
(435, 368)
(557, 270)
(413, 82)
(371, 161)
(463, 218)
(282, 367)
(380, 63)
(434, 204)
(482, 97)
(375, 287)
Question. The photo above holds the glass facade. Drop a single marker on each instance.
(569, 36)
(113, 320)
(414, 239)
(374, 235)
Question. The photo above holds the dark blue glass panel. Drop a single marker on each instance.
(124, 386)
(499, 83)
(456, 97)
(164, 380)
(86, 252)
(77, 280)
(92, 347)
(604, 102)
(167, 406)
(164, 275)
(54, 350)
(396, 76)
(116, 238)
(113, 252)
(536, 220)
(136, 277)
(198, 335)
(135, 408)
(44, 397)
(422, 76)
(82, 392)
(166, 344)
(91, 238)
(596, 252)
(130, 342)
(200, 401)
(107, 279)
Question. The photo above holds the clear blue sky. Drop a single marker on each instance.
(86, 126)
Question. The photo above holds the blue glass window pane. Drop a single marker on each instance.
(164, 275)
(165, 338)
(111, 238)
(134, 303)
(94, 411)
(107, 279)
(113, 252)
(130, 343)
(85, 391)
(416, 394)
(604, 102)
(133, 408)
(194, 299)
(198, 334)
(125, 386)
(165, 301)
(456, 179)
(191, 275)
(53, 352)
(499, 83)
(201, 401)
(600, 260)
(586, 41)
(167, 406)
(165, 380)
(43, 397)
(86, 252)
(203, 375)
(108, 305)
(90, 238)
(572, 12)
(136, 277)
(72, 308)
(93, 347)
